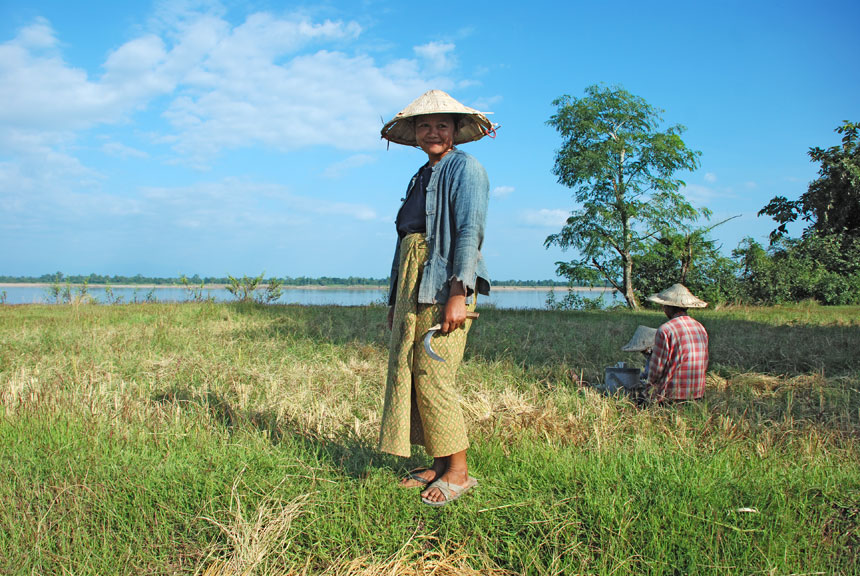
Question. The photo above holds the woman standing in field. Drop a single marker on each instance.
(435, 277)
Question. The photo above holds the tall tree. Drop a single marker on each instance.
(824, 263)
(690, 256)
(622, 170)
(831, 204)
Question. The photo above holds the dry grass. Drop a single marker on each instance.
(419, 556)
(252, 542)
(152, 376)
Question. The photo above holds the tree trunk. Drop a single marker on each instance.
(686, 259)
(626, 257)
(629, 295)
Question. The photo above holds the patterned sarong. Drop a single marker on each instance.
(422, 405)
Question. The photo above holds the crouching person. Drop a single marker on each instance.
(642, 341)
(679, 359)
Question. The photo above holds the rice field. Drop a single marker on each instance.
(226, 439)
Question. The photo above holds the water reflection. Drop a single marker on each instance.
(499, 298)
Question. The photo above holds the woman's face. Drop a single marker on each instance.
(435, 135)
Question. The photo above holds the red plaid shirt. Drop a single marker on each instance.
(679, 360)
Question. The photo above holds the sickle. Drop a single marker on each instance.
(432, 330)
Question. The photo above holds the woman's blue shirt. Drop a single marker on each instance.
(456, 209)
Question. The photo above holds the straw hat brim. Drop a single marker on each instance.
(677, 295)
(472, 124)
(642, 339)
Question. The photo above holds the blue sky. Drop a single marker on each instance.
(220, 138)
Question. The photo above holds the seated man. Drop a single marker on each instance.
(676, 370)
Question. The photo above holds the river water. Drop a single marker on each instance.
(509, 298)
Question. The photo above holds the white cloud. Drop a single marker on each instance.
(233, 204)
(545, 218)
(120, 150)
(40, 168)
(437, 56)
(710, 177)
(502, 191)
(137, 71)
(703, 195)
(338, 169)
(39, 91)
(750, 185)
(37, 36)
(326, 98)
(351, 211)
(486, 104)
(281, 82)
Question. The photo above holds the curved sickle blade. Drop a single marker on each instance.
(427, 347)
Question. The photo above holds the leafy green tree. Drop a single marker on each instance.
(831, 204)
(821, 268)
(824, 263)
(690, 256)
(622, 170)
(692, 259)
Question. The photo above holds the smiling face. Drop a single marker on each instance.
(435, 135)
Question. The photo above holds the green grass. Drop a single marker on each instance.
(239, 439)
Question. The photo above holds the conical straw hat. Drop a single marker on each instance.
(401, 129)
(643, 339)
(677, 295)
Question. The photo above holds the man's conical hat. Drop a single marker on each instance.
(643, 339)
(677, 295)
(473, 125)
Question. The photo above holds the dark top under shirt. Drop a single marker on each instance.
(412, 217)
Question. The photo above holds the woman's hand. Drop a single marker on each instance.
(455, 308)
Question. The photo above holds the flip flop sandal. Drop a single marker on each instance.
(414, 475)
(450, 491)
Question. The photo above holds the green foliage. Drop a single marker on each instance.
(825, 269)
(572, 301)
(150, 297)
(247, 289)
(824, 264)
(109, 295)
(55, 291)
(243, 288)
(83, 291)
(195, 291)
(689, 257)
(621, 168)
(272, 293)
(831, 205)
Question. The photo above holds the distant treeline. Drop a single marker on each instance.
(139, 279)
(59, 277)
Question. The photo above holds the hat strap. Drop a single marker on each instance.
(492, 130)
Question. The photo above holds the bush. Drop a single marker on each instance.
(247, 289)
(821, 268)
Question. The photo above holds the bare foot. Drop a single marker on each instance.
(440, 465)
(411, 479)
(458, 477)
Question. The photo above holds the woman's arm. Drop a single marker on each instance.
(470, 195)
(455, 308)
